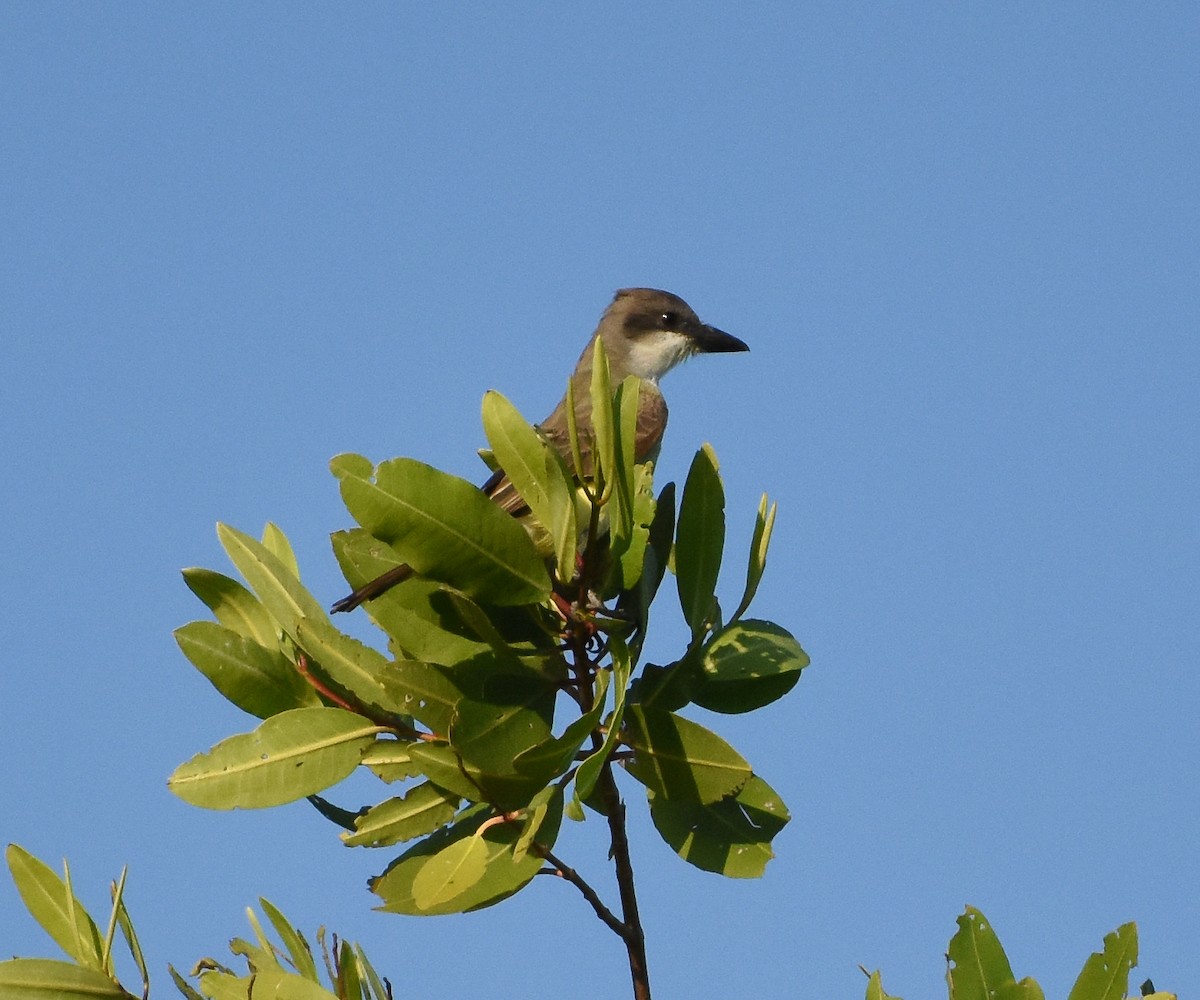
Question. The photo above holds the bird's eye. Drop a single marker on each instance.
(670, 320)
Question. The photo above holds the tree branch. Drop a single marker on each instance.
(565, 871)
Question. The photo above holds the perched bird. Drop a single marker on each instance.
(646, 332)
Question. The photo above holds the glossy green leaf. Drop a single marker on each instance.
(46, 979)
(445, 528)
(1105, 974)
(351, 668)
(749, 664)
(679, 759)
(286, 758)
(731, 837)
(448, 874)
(503, 876)
(297, 946)
(419, 623)
(259, 680)
(233, 605)
(423, 809)
(764, 524)
(978, 965)
(51, 903)
(539, 474)
(699, 539)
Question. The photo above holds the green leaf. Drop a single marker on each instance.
(677, 758)
(508, 714)
(390, 760)
(413, 614)
(286, 758)
(875, 988)
(604, 464)
(275, 584)
(297, 946)
(125, 923)
(426, 691)
(233, 605)
(353, 668)
(539, 474)
(51, 903)
(699, 539)
(979, 967)
(764, 523)
(276, 542)
(46, 979)
(445, 528)
(622, 527)
(589, 771)
(749, 664)
(259, 680)
(553, 757)
(449, 873)
(497, 784)
(276, 984)
(423, 809)
(731, 837)
(504, 873)
(1026, 989)
(1105, 975)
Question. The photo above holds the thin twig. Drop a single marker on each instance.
(565, 871)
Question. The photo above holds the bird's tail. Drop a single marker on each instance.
(369, 591)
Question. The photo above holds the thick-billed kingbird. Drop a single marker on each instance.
(646, 332)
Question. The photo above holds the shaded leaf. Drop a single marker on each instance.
(506, 715)
(731, 837)
(699, 539)
(286, 758)
(589, 771)
(504, 874)
(444, 527)
(449, 873)
(678, 758)
(748, 665)
(497, 783)
(422, 809)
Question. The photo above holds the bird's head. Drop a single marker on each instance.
(647, 332)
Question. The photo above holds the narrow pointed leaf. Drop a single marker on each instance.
(749, 664)
(1105, 974)
(538, 473)
(298, 948)
(423, 809)
(621, 475)
(259, 680)
(276, 542)
(731, 837)
(979, 967)
(603, 419)
(233, 605)
(699, 539)
(678, 758)
(50, 902)
(275, 584)
(288, 757)
(445, 528)
(46, 979)
(875, 988)
(764, 524)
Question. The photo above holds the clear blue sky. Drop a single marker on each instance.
(962, 241)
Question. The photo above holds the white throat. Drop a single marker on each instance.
(654, 354)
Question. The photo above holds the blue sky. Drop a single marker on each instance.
(963, 244)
